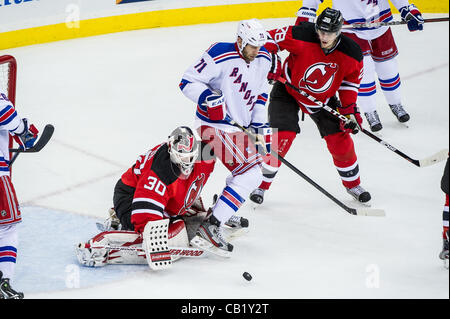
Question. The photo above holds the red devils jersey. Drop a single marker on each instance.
(160, 190)
(318, 73)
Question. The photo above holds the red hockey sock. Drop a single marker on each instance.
(345, 160)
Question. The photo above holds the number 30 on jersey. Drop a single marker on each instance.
(156, 185)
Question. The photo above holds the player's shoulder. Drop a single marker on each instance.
(351, 48)
(222, 51)
(163, 167)
(264, 54)
(305, 31)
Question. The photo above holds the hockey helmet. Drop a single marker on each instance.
(251, 32)
(330, 20)
(183, 149)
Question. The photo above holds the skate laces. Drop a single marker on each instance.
(357, 190)
(234, 220)
(372, 117)
(397, 109)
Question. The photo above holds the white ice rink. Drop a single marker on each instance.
(112, 97)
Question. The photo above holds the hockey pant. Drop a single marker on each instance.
(239, 155)
(379, 61)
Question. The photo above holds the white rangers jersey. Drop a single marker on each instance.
(9, 122)
(245, 88)
(362, 11)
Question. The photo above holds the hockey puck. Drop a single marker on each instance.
(247, 276)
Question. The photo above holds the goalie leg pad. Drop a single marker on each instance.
(111, 247)
(156, 244)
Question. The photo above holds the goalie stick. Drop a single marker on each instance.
(46, 135)
(386, 24)
(174, 251)
(430, 160)
(353, 211)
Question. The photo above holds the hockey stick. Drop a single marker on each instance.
(46, 135)
(353, 211)
(430, 160)
(391, 23)
(174, 251)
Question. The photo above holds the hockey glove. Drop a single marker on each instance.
(262, 138)
(355, 120)
(412, 16)
(28, 137)
(215, 104)
(305, 15)
(275, 70)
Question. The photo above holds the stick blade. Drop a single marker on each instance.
(370, 212)
(433, 159)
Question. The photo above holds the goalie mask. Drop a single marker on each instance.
(183, 149)
(251, 32)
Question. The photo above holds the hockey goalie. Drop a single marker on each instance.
(157, 204)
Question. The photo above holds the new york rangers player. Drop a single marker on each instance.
(378, 46)
(230, 81)
(25, 135)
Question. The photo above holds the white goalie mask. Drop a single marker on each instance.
(251, 32)
(183, 149)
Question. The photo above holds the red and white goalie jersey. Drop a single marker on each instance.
(160, 190)
(312, 70)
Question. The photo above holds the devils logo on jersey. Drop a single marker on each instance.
(193, 192)
(319, 77)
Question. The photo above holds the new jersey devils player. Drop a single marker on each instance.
(163, 184)
(321, 62)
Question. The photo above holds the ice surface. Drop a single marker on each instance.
(112, 97)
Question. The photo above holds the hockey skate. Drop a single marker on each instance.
(209, 237)
(399, 112)
(359, 193)
(374, 121)
(444, 253)
(6, 292)
(257, 196)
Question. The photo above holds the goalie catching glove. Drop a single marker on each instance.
(28, 137)
(355, 120)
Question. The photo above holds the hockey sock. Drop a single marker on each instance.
(234, 194)
(366, 96)
(445, 217)
(345, 160)
(389, 79)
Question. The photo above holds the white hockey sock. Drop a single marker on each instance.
(8, 250)
(389, 79)
(234, 194)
